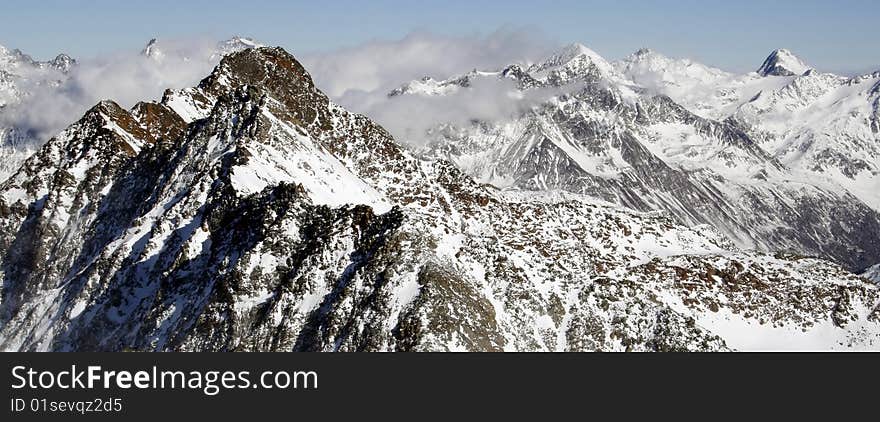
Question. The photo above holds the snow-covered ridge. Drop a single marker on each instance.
(27, 84)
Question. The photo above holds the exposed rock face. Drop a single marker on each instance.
(252, 213)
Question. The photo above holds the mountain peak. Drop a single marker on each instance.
(152, 50)
(274, 72)
(575, 52)
(783, 62)
(234, 44)
(262, 66)
(63, 62)
(571, 52)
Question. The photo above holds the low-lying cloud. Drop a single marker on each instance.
(384, 65)
(358, 77)
(124, 77)
(361, 77)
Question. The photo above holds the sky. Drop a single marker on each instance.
(839, 36)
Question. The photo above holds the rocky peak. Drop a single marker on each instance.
(270, 68)
(276, 73)
(110, 128)
(782, 62)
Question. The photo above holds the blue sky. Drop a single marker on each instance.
(734, 35)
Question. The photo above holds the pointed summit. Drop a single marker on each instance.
(270, 68)
(571, 52)
(782, 62)
(576, 54)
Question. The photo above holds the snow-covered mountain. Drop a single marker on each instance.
(250, 212)
(616, 132)
(820, 125)
(19, 74)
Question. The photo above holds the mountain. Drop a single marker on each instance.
(19, 74)
(821, 126)
(18, 70)
(250, 212)
(610, 135)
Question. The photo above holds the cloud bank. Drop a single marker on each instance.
(384, 65)
(358, 77)
(124, 77)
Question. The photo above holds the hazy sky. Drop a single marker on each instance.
(734, 35)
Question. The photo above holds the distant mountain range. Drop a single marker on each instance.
(784, 158)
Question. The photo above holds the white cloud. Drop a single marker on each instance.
(125, 77)
(384, 65)
(357, 77)
(360, 78)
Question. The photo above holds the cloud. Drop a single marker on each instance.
(360, 78)
(357, 77)
(384, 65)
(124, 77)
(487, 99)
